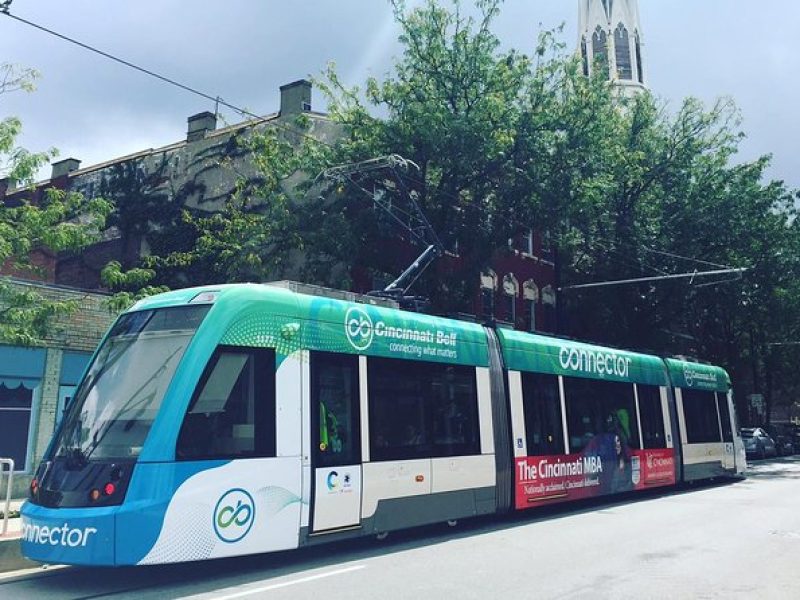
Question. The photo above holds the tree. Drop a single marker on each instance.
(454, 106)
(57, 221)
(505, 142)
(250, 239)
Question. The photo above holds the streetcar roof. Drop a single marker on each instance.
(263, 315)
(542, 354)
(258, 314)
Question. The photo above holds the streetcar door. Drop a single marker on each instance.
(336, 442)
(728, 454)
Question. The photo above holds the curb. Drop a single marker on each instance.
(11, 558)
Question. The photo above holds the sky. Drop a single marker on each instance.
(93, 109)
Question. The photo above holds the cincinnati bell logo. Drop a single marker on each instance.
(338, 483)
(234, 515)
(333, 481)
(688, 375)
(358, 328)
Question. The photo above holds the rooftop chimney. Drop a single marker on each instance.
(65, 167)
(295, 97)
(199, 126)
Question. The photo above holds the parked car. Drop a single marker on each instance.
(757, 443)
(783, 436)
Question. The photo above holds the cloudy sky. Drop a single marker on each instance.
(242, 50)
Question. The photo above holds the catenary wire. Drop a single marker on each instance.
(4, 10)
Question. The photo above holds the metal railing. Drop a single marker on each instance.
(10, 463)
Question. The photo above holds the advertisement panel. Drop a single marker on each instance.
(594, 472)
(689, 375)
(529, 352)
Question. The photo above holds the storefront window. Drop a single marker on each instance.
(21, 371)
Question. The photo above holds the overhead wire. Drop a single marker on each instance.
(5, 10)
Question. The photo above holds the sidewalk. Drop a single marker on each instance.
(10, 557)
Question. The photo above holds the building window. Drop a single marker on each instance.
(510, 292)
(639, 66)
(73, 364)
(622, 52)
(600, 49)
(16, 404)
(547, 246)
(488, 289)
(530, 294)
(527, 242)
(21, 372)
(584, 57)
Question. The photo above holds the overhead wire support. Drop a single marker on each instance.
(691, 276)
(415, 223)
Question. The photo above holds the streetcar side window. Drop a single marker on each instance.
(724, 417)
(700, 415)
(421, 410)
(335, 402)
(652, 417)
(599, 409)
(232, 412)
(544, 429)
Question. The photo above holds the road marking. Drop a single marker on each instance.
(32, 571)
(283, 584)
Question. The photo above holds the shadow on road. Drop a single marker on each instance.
(210, 576)
(774, 468)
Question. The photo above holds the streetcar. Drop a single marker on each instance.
(248, 418)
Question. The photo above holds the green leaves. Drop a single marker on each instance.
(55, 222)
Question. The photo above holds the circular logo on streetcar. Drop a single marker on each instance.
(234, 515)
(333, 481)
(358, 328)
(688, 375)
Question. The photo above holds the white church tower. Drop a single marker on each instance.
(610, 37)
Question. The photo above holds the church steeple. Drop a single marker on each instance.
(610, 38)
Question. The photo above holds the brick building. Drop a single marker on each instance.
(37, 382)
(201, 171)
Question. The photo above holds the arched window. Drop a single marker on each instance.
(639, 66)
(511, 291)
(622, 52)
(488, 289)
(600, 48)
(530, 294)
(584, 57)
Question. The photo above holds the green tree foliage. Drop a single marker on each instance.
(625, 187)
(504, 141)
(251, 239)
(58, 221)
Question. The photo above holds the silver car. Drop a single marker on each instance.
(757, 443)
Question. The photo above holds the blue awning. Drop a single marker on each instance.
(22, 363)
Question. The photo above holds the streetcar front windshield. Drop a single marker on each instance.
(122, 392)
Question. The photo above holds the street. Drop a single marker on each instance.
(715, 541)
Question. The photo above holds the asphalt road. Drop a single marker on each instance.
(734, 540)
